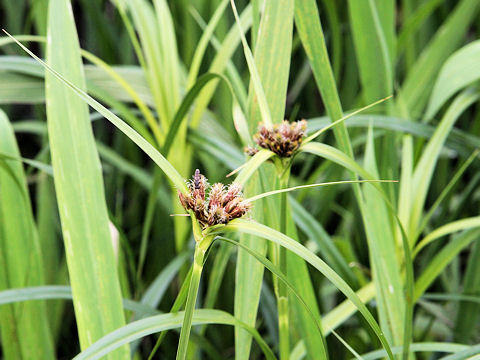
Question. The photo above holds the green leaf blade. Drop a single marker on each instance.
(79, 188)
(24, 329)
(249, 227)
(459, 71)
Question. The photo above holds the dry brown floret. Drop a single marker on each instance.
(283, 139)
(220, 206)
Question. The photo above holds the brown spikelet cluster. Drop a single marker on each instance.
(222, 204)
(282, 139)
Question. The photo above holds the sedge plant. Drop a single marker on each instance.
(286, 255)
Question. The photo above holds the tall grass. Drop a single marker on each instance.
(361, 239)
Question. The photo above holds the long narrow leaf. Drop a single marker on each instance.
(159, 323)
(373, 44)
(24, 328)
(283, 240)
(158, 158)
(447, 229)
(423, 173)
(419, 81)
(442, 259)
(260, 93)
(458, 72)
(274, 192)
(79, 189)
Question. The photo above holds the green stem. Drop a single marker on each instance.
(179, 301)
(282, 295)
(283, 327)
(191, 299)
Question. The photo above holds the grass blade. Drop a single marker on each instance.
(423, 173)
(457, 140)
(61, 292)
(154, 294)
(453, 181)
(202, 44)
(36, 293)
(373, 28)
(335, 317)
(413, 23)
(147, 114)
(257, 82)
(330, 153)
(219, 63)
(310, 226)
(153, 153)
(275, 270)
(50, 243)
(384, 257)
(268, 81)
(458, 72)
(151, 34)
(274, 192)
(418, 347)
(419, 81)
(25, 331)
(198, 258)
(79, 188)
(272, 58)
(317, 133)
(298, 273)
(249, 277)
(164, 322)
(467, 354)
(249, 168)
(468, 313)
(310, 30)
(47, 169)
(447, 229)
(442, 259)
(217, 275)
(239, 225)
(187, 101)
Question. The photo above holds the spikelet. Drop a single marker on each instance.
(283, 139)
(222, 204)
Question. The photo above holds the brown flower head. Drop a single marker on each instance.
(282, 139)
(223, 203)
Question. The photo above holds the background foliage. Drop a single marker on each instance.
(85, 215)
